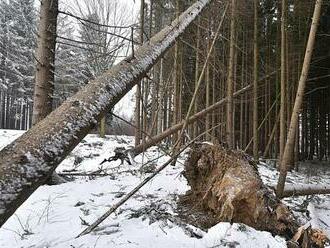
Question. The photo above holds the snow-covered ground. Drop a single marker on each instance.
(54, 215)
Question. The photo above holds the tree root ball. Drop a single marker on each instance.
(226, 184)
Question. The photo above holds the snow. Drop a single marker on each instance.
(54, 215)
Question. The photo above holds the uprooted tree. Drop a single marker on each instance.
(225, 184)
(27, 163)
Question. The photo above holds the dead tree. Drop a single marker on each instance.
(27, 162)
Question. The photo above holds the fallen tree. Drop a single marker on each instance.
(27, 162)
(305, 189)
(225, 184)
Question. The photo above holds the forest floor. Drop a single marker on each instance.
(54, 215)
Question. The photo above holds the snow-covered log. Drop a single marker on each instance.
(175, 128)
(26, 163)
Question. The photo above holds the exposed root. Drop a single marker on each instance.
(227, 184)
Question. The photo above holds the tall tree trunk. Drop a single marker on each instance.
(161, 98)
(208, 83)
(177, 75)
(44, 79)
(255, 82)
(138, 95)
(283, 78)
(287, 155)
(230, 81)
(195, 126)
(27, 162)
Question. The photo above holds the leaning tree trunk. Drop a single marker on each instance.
(26, 163)
(44, 77)
(287, 154)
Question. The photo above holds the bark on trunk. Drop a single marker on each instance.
(44, 76)
(44, 81)
(26, 163)
(195, 126)
(283, 78)
(230, 81)
(255, 82)
(138, 94)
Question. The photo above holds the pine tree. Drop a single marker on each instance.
(18, 41)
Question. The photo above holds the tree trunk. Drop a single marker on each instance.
(44, 80)
(230, 81)
(102, 127)
(208, 83)
(287, 155)
(138, 94)
(283, 79)
(177, 75)
(44, 76)
(303, 190)
(195, 126)
(255, 82)
(271, 137)
(27, 162)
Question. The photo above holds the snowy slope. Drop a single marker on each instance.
(54, 215)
